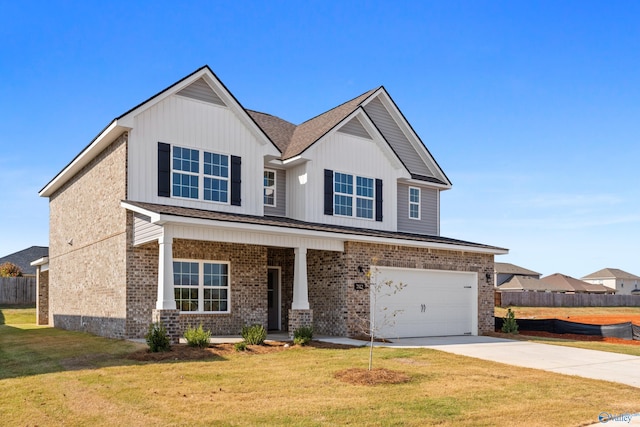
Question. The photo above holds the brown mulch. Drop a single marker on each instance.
(377, 376)
(217, 351)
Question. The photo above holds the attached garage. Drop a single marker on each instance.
(431, 303)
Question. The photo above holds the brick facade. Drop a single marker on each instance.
(87, 247)
(42, 303)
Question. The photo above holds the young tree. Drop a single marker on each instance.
(10, 270)
(379, 289)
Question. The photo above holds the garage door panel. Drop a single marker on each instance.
(431, 303)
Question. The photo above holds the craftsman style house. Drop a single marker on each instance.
(191, 209)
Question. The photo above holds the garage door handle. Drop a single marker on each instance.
(423, 308)
(467, 287)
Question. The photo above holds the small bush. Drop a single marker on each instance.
(302, 335)
(10, 270)
(197, 337)
(157, 338)
(240, 346)
(509, 325)
(254, 334)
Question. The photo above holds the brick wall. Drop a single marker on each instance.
(142, 287)
(42, 305)
(327, 292)
(87, 246)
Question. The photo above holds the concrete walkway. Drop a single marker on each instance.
(594, 364)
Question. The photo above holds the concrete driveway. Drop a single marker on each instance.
(594, 364)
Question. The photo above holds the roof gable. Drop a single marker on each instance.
(354, 127)
(201, 91)
(611, 273)
(507, 268)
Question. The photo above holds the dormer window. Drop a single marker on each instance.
(269, 188)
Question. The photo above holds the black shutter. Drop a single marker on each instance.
(164, 169)
(236, 181)
(328, 192)
(378, 200)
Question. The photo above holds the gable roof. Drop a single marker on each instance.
(611, 273)
(280, 131)
(507, 268)
(24, 257)
(528, 283)
(577, 285)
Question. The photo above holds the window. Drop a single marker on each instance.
(186, 164)
(201, 286)
(414, 203)
(344, 199)
(269, 188)
(216, 177)
(188, 175)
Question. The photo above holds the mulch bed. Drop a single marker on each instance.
(378, 376)
(183, 352)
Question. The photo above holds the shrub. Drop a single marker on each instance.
(302, 335)
(240, 346)
(157, 338)
(509, 325)
(10, 270)
(197, 337)
(254, 334)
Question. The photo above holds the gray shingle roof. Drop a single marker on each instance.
(611, 273)
(300, 225)
(24, 258)
(506, 268)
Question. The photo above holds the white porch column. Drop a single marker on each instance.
(166, 299)
(300, 286)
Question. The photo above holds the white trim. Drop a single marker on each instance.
(275, 187)
(40, 261)
(419, 203)
(201, 286)
(163, 219)
(354, 196)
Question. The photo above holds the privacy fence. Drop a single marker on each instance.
(551, 299)
(17, 290)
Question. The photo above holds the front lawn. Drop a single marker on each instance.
(53, 377)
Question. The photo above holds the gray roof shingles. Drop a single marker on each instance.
(24, 258)
(300, 225)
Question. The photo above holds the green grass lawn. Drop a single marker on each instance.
(55, 377)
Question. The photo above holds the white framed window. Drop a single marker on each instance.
(347, 203)
(269, 187)
(190, 172)
(414, 203)
(201, 286)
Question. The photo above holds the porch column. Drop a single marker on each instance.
(166, 299)
(300, 313)
(300, 286)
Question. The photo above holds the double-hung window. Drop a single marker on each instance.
(190, 173)
(347, 202)
(201, 286)
(216, 177)
(269, 187)
(186, 172)
(414, 203)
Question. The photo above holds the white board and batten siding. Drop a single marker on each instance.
(344, 153)
(432, 303)
(429, 211)
(190, 123)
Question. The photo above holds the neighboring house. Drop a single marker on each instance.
(621, 282)
(24, 257)
(191, 209)
(578, 286)
(532, 284)
(504, 272)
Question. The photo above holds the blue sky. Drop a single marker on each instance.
(531, 108)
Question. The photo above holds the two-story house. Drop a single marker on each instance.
(191, 209)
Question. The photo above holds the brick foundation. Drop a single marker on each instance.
(298, 318)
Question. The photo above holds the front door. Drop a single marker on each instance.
(273, 297)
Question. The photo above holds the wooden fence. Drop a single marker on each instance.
(18, 290)
(551, 299)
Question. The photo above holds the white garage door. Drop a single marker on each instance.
(432, 303)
